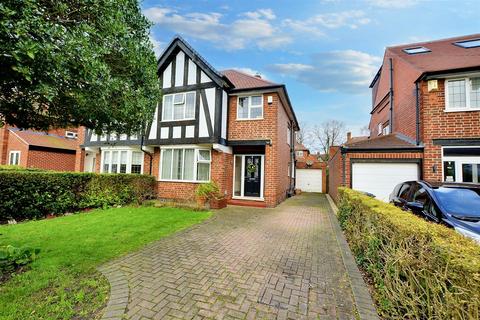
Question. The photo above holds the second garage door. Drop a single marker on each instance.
(380, 178)
(309, 180)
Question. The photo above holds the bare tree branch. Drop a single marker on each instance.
(329, 133)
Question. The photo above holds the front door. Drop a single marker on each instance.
(252, 177)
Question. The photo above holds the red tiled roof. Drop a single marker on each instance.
(244, 81)
(444, 54)
(41, 139)
(389, 141)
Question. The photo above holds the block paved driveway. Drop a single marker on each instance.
(244, 263)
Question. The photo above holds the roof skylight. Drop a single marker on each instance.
(416, 50)
(472, 43)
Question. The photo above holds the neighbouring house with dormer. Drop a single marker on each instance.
(228, 127)
(425, 120)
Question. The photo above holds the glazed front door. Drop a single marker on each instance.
(252, 177)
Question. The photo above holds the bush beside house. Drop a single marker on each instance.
(35, 194)
(419, 270)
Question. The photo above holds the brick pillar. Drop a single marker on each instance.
(4, 132)
(80, 153)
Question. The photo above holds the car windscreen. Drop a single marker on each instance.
(459, 201)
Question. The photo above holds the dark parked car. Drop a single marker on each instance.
(454, 205)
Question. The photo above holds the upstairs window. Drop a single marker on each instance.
(178, 106)
(299, 154)
(386, 128)
(472, 43)
(250, 108)
(462, 94)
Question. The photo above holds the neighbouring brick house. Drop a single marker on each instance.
(311, 170)
(56, 149)
(228, 127)
(425, 120)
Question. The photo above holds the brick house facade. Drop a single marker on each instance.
(227, 127)
(414, 118)
(56, 149)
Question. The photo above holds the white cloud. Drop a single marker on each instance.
(250, 27)
(158, 46)
(250, 71)
(317, 24)
(397, 4)
(336, 71)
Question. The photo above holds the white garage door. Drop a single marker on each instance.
(381, 178)
(309, 180)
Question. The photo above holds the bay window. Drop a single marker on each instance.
(178, 106)
(462, 94)
(250, 108)
(122, 161)
(189, 164)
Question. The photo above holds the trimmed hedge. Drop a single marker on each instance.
(32, 195)
(419, 269)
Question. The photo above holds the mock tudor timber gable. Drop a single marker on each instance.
(184, 75)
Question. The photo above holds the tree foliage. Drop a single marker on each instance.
(79, 62)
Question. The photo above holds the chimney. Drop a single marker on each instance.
(257, 75)
(349, 136)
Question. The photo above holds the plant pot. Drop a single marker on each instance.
(218, 203)
(201, 202)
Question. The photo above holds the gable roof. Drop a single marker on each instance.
(178, 43)
(41, 139)
(242, 80)
(443, 55)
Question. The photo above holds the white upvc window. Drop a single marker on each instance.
(178, 106)
(250, 107)
(462, 94)
(14, 158)
(380, 127)
(185, 164)
(122, 161)
(299, 154)
(386, 129)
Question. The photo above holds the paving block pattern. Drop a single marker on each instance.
(244, 263)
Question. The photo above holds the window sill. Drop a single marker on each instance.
(462, 110)
(182, 181)
(177, 120)
(249, 119)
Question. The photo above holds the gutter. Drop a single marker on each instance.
(391, 96)
(417, 114)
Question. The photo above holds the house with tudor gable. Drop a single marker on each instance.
(228, 127)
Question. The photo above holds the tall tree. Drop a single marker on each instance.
(329, 133)
(304, 135)
(76, 62)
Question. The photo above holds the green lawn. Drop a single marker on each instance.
(63, 282)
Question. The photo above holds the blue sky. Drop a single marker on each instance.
(326, 52)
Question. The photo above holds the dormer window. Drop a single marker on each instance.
(178, 106)
(472, 43)
(416, 50)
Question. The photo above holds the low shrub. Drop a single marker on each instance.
(208, 190)
(12, 258)
(419, 269)
(31, 195)
(9, 167)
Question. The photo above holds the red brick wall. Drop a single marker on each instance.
(4, 133)
(51, 160)
(436, 124)
(283, 156)
(16, 144)
(335, 171)
(404, 116)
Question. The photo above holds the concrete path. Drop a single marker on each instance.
(290, 262)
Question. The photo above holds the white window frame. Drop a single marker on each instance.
(184, 106)
(380, 128)
(299, 154)
(195, 164)
(468, 88)
(16, 154)
(250, 107)
(459, 160)
(386, 129)
(129, 160)
(242, 176)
